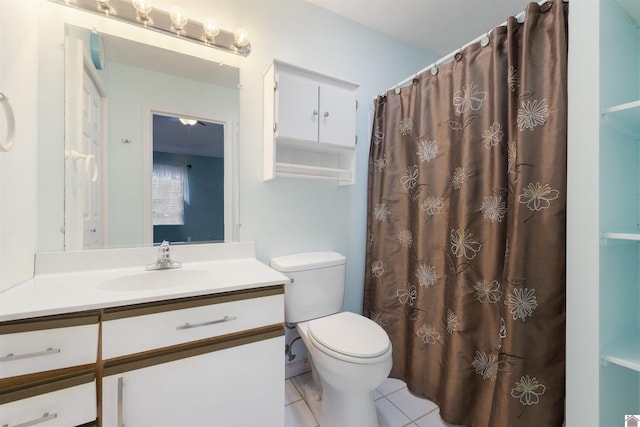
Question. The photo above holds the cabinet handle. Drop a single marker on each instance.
(120, 409)
(46, 417)
(326, 114)
(315, 112)
(11, 124)
(9, 357)
(211, 322)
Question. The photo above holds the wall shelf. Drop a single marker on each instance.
(622, 236)
(624, 117)
(624, 351)
(292, 169)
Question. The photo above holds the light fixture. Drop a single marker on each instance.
(178, 19)
(187, 122)
(211, 29)
(206, 33)
(143, 10)
(241, 38)
(105, 6)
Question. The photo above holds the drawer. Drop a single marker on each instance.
(43, 345)
(71, 405)
(172, 324)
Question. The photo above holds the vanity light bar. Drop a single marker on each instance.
(160, 21)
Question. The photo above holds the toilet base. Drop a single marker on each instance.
(333, 408)
(338, 409)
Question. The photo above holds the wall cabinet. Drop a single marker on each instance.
(309, 124)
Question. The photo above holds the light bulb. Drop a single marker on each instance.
(178, 19)
(104, 4)
(241, 38)
(143, 9)
(211, 29)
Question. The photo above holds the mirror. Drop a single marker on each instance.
(123, 105)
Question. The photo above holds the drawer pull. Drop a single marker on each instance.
(9, 357)
(212, 322)
(46, 417)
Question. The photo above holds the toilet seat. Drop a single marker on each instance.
(349, 336)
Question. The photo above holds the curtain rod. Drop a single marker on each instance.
(434, 66)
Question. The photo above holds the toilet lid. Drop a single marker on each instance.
(350, 334)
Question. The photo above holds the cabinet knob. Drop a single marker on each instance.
(326, 114)
(315, 112)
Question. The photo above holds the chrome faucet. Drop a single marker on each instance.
(164, 259)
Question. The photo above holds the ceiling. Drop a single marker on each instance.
(438, 26)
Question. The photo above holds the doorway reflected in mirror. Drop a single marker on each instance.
(188, 180)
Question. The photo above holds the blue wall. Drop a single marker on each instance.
(204, 215)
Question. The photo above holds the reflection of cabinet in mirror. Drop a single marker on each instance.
(309, 124)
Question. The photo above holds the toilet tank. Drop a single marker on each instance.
(317, 285)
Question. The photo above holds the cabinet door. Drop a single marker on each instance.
(236, 387)
(296, 108)
(18, 178)
(337, 116)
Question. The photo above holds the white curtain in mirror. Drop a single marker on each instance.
(170, 188)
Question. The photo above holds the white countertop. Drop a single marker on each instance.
(71, 282)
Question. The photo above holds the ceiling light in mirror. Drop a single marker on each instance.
(187, 122)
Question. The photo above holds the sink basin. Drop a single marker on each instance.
(157, 279)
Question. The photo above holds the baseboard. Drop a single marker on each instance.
(294, 369)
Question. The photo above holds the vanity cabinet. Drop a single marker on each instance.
(48, 370)
(309, 124)
(195, 361)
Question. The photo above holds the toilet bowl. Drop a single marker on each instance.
(350, 354)
(347, 375)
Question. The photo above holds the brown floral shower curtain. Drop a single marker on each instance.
(466, 224)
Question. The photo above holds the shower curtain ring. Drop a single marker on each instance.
(485, 40)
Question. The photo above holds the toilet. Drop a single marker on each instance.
(350, 354)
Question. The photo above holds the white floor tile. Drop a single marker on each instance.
(301, 380)
(291, 393)
(412, 406)
(433, 420)
(390, 385)
(298, 415)
(389, 415)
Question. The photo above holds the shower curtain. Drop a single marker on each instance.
(466, 226)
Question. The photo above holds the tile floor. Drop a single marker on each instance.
(397, 407)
